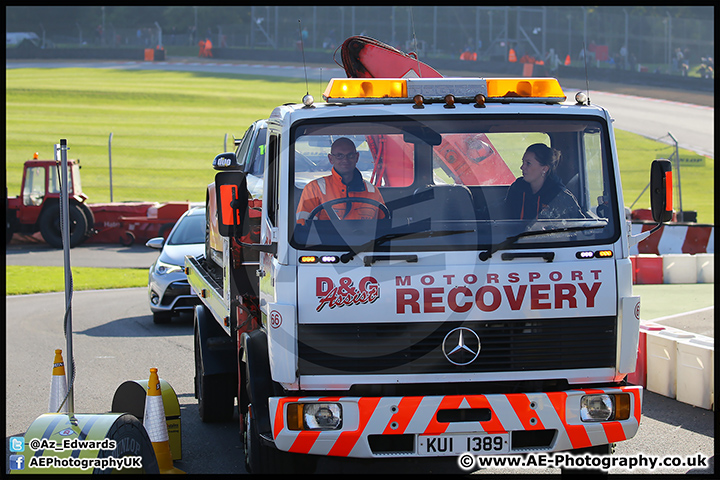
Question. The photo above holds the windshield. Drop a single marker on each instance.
(435, 183)
(190, 230)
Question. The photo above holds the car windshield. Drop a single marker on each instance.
(449, 183)
(190, 229)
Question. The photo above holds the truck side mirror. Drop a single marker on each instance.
(661, 194)
(232, 203)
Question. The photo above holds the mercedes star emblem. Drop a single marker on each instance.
(461, 346)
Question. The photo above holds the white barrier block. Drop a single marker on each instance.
(705, 267)
(695, 371)
(679, 268)
(662, 360)
(711, 241)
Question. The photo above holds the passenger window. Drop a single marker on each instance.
(273, 178)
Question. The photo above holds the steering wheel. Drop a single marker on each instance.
(326, 206)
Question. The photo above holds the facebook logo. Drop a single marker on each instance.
(17, 462)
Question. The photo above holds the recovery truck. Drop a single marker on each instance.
(442, 326)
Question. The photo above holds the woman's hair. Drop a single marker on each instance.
(545, 155)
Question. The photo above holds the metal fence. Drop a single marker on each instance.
(446, 31)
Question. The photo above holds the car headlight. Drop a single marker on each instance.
(162, 268)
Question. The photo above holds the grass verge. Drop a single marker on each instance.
(167, 127)
(23, 280)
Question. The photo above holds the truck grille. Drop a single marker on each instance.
(412, 347)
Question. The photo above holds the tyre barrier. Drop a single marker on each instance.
(673, 268)
(676, 364)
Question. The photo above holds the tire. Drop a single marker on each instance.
(127, 238)
(214, 403)
(50, 225)
(259, 457)
(11, 225)
(132, 440)
(90, 216)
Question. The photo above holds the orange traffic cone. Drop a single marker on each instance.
(58, 385)
(567, 60)
(512, 57)
(156, 426)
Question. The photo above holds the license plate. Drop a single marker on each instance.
(439, 445)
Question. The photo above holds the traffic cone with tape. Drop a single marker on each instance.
(58, 385)
(156, 426)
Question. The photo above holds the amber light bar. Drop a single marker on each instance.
(425, 90)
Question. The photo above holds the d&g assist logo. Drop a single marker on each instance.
(461, 346)
(345, 293)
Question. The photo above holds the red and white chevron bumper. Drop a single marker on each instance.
(421, 425)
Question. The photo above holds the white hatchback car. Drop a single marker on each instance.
(168, 288)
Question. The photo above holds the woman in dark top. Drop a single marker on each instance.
(539, 193)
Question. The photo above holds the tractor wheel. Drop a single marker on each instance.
(11, 225)
(50, 225)
(90, 216)
(127, 238)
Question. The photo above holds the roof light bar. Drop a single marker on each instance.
(463, 90)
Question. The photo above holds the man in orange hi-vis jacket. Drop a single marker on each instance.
(345, 181)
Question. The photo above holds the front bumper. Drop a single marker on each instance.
(172, 296)
(391, 426)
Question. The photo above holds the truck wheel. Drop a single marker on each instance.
(50, 225)
(260, 458)
(214, 404)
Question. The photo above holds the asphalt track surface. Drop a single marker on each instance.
(115, 340)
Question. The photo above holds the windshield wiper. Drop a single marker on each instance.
(509, 241)
(346, 257)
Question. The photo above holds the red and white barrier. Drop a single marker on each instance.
(675, 238)
(673, 268)
(676, 253)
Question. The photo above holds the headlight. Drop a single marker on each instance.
(314, 416)
(605, 407)
(596, 408)
(162, 268)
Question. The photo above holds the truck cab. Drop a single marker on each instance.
(446, 322)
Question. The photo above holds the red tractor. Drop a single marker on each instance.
(38, 208)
